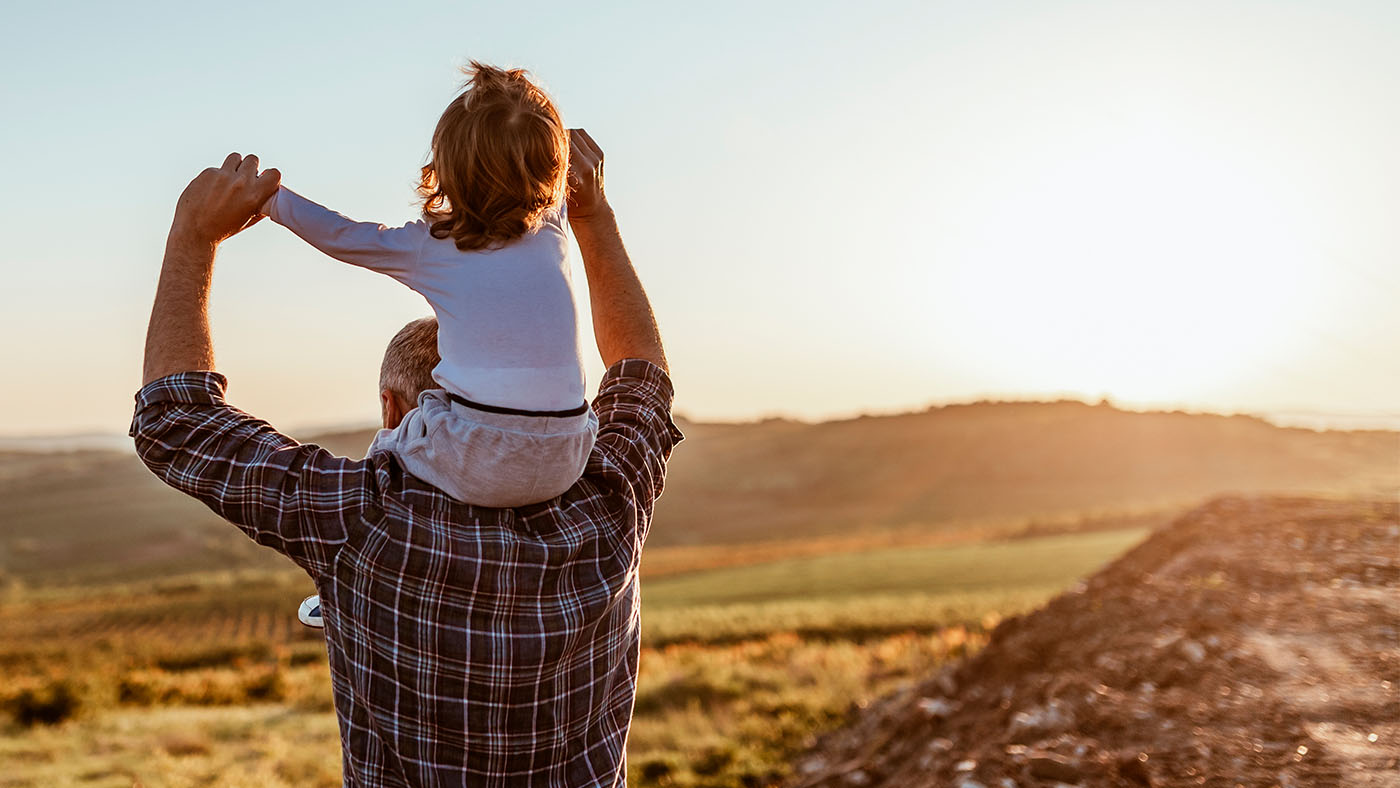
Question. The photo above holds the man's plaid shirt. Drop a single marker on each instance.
(468, 646)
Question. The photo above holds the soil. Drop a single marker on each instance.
(1253, 642)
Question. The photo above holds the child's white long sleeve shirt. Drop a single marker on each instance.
(507, 317)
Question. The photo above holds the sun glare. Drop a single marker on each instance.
(1150, 266)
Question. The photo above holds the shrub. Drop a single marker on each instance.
(136, 690)
(266, 685)
(658, 769)
(713, 760)
(182, 745)
(50, 704)
(214, 657)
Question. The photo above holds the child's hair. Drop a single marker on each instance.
(499, 160)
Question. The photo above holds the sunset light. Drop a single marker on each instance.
(735, 394)
(1155, 267)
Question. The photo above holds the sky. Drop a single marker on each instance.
(836, 208)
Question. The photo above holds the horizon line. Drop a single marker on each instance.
(1284, 418)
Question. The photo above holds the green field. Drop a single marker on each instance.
(857, 595)
(208, 680)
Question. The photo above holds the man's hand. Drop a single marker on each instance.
(217, 204)
(221, 202)
(585, 176)
(623, 323)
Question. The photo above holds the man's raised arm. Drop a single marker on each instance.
(295, 498)
(215, 205)
(623, 323)
(635, 431)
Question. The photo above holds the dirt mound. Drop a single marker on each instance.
(1251, 643)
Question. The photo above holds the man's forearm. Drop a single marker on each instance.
(178, 338)
(623, 323)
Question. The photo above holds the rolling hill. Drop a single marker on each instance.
(82, 516)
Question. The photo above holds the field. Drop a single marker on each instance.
(208, 679)
(794, 573)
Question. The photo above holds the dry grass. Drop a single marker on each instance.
(716, 715)
(734, 715)
(209, 680)
(265, 745)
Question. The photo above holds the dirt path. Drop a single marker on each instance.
(1254, 642)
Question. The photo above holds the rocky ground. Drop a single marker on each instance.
(1254, 642)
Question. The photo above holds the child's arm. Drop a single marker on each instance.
(388, 250)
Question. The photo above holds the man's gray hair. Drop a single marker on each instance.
(408, 363)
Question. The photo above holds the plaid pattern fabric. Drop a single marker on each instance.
(467, 646)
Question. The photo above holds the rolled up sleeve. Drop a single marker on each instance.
(296, 498)
(636, 433)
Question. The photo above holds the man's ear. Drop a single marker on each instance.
(393, 408)
(389, 409)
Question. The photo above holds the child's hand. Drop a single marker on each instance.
(585, 176)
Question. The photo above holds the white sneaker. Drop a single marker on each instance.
(310, 612)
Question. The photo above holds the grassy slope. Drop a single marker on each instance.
(873, 593)
(928, 570)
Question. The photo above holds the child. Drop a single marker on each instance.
(510, 426)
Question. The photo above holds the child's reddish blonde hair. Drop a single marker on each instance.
(499, 160)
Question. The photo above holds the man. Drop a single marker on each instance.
(467, 645)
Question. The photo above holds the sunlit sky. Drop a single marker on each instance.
(836, 207)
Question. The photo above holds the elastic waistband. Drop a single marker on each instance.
(554, 414)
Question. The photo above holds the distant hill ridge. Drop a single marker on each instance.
(994, 461)
(73, 516)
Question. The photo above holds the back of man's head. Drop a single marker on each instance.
(408, 365)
